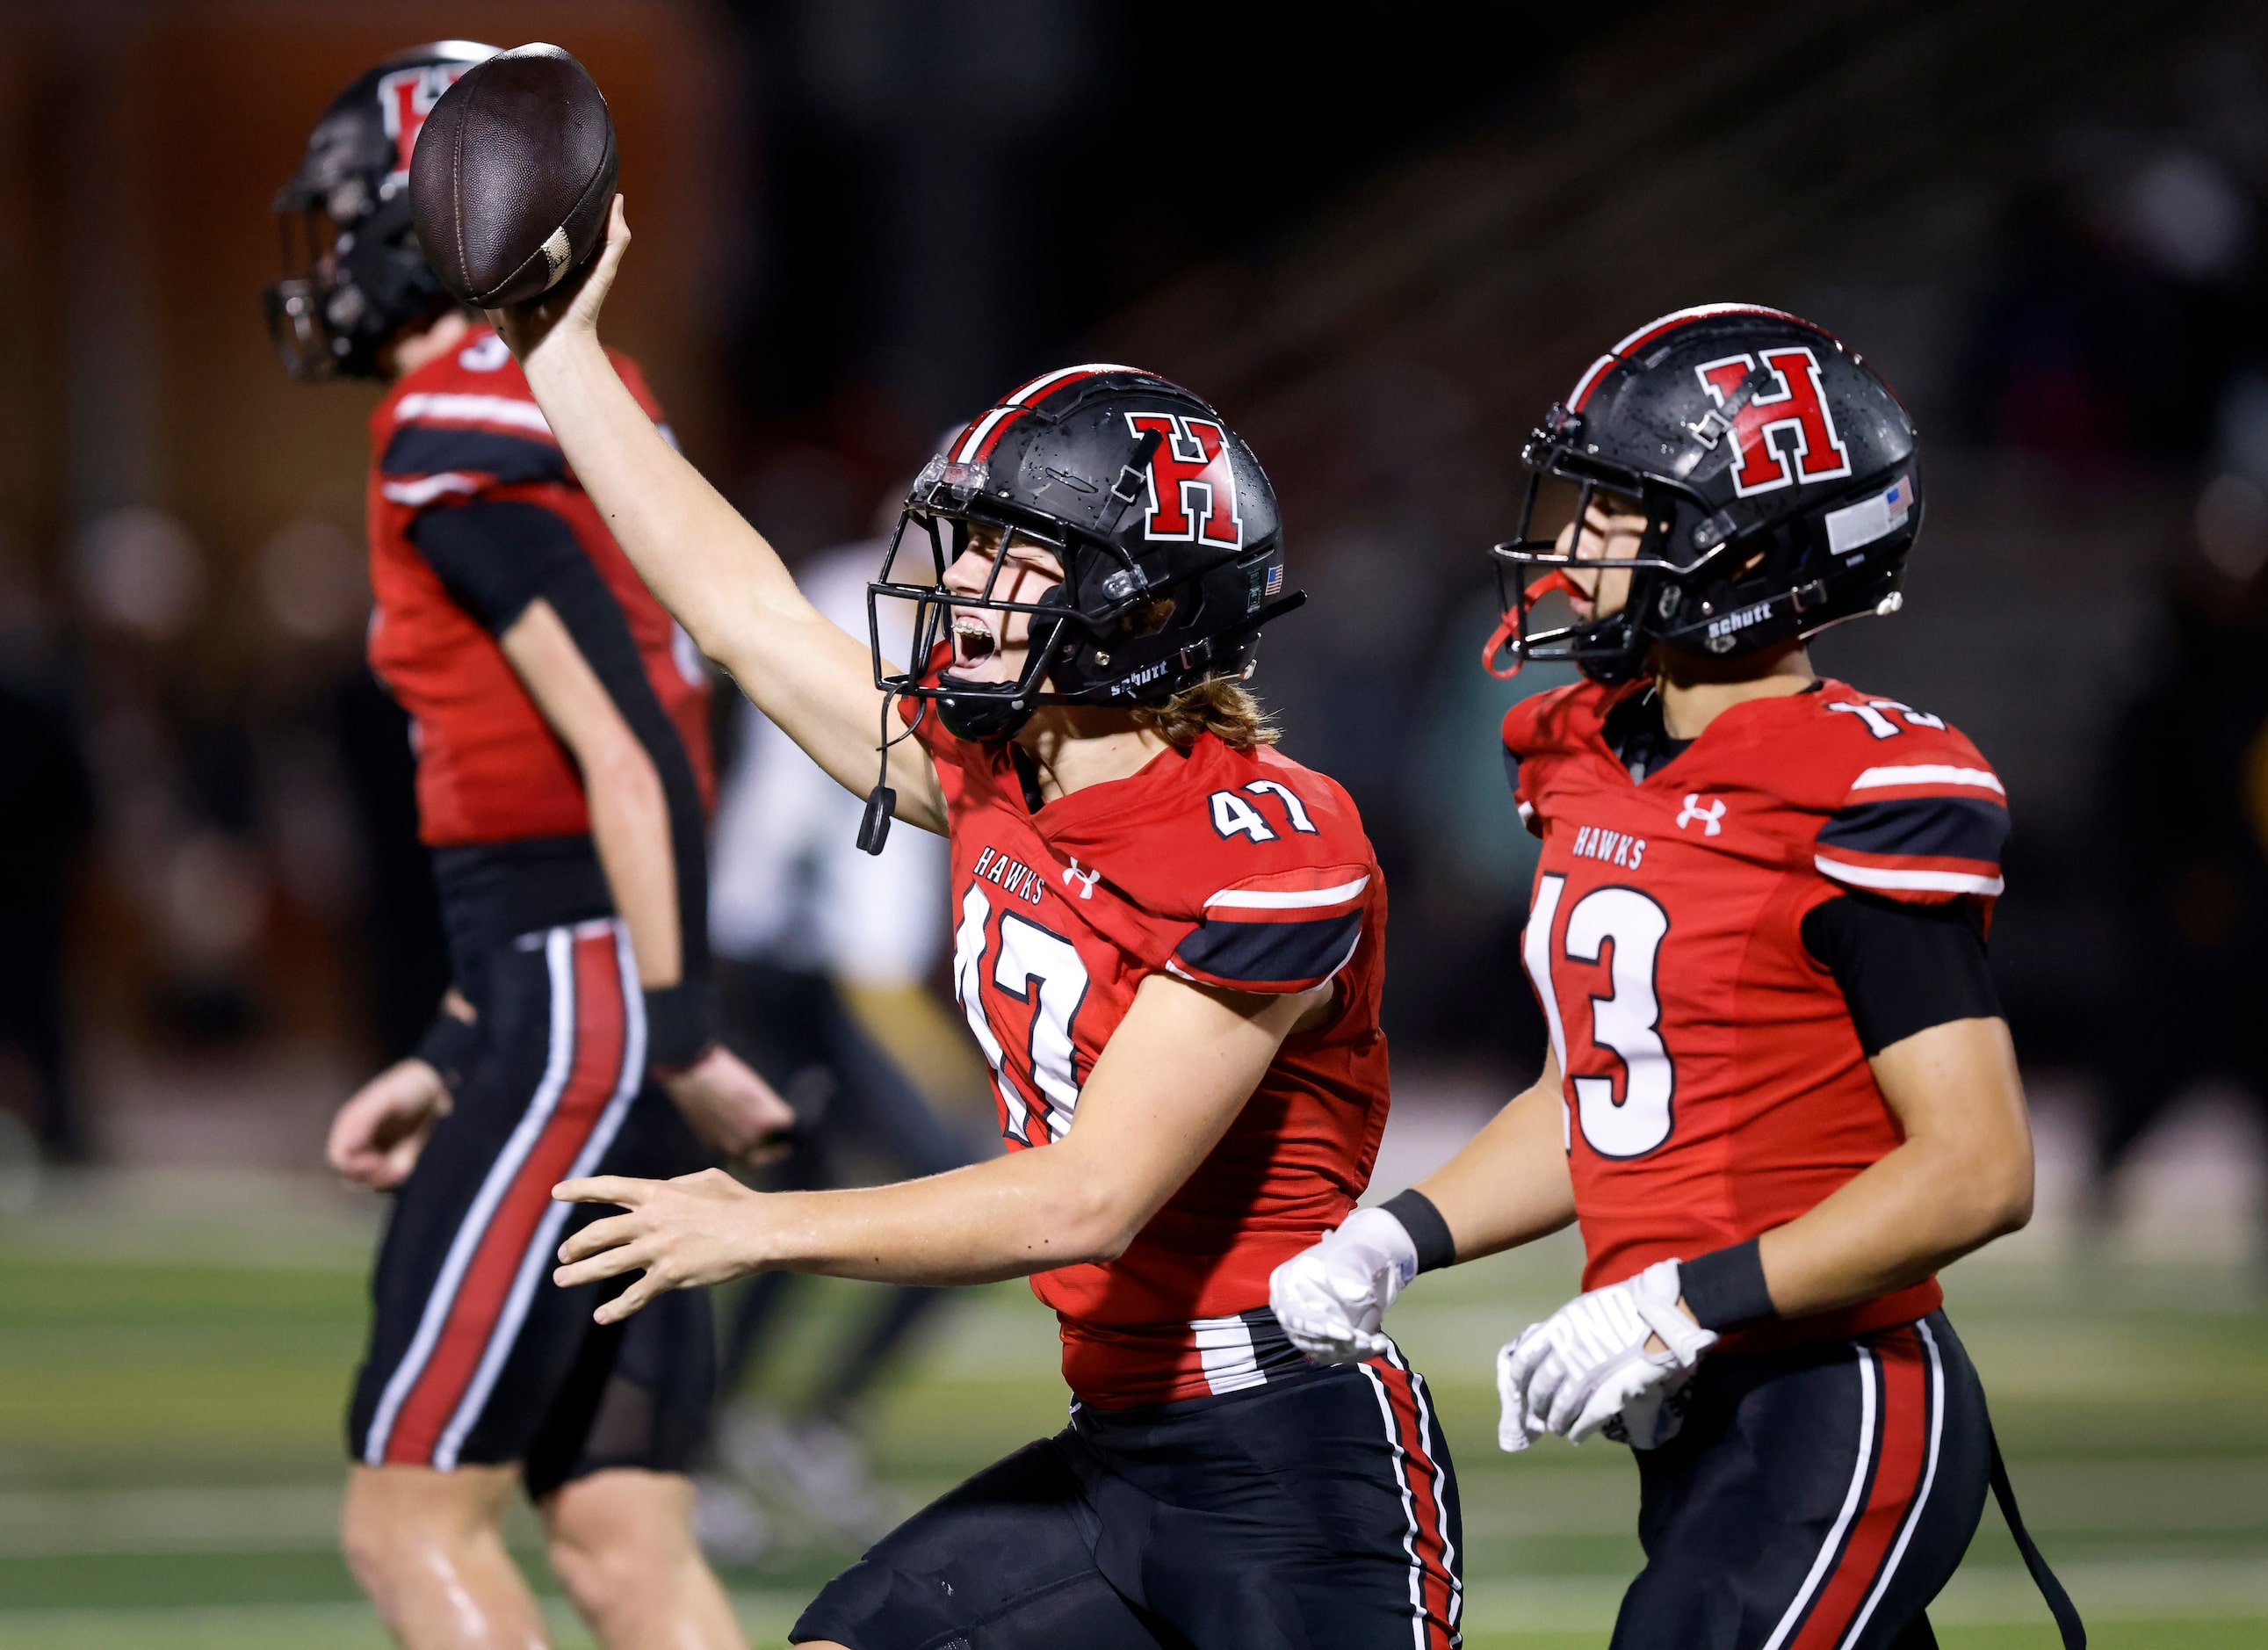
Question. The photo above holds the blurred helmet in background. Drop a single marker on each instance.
(354, 275)
(1165, 525)
(1778, 476)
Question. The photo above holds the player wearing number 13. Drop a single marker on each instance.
(1780, 1094)
(1169, 946)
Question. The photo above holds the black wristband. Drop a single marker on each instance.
(1436, 1248)
(449, 1046)
(1725, 1288)
(678, 1027)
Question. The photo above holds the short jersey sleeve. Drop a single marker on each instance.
(1277, 931)
(467, 425)
(1925, 823)
(454, 443)
(1514, 726)
(1539, 733)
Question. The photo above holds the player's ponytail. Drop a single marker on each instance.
(1221, 705)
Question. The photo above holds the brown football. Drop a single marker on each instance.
(512, 175)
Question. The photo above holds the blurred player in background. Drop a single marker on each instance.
(823, 958)
(561, 767)
(1780, 1094)
(1168, 942)
(2187, 869)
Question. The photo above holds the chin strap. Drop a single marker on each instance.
(1507, 626)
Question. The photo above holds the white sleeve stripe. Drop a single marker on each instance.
(1917, 881)
(496, 409)
(1927, 773)
(1252, 900)
(426, 489)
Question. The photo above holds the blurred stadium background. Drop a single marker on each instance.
(1382, 250)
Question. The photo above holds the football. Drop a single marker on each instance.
(512, 175)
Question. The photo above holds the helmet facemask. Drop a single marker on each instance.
(1736, 591)
(1609, 647)
(351, 285)
(1108, 634)
(354, 278)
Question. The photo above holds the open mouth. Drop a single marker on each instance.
(973, 641)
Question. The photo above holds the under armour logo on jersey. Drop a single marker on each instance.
(1712, 817)
(405, 97)
(1086, 880)
(1783, 431)
(1192, 493)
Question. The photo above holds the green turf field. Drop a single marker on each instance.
(173, 1366)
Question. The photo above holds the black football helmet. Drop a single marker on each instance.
(1165, 526)
(354, 276)
(1777, 473)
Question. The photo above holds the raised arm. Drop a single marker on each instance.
(1177, 1072)
(714, 571)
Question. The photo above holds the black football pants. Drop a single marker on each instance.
(1814, 1499)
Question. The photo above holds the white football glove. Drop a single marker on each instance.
(1587, 1368)
(1331, 1297)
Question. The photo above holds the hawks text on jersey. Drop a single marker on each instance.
(1237, 869)
(464, 427)
(1714, 1083)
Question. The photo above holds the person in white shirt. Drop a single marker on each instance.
(822, 953)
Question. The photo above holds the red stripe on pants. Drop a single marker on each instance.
(1901, 1457)
(1436, 1591)
(598, 1030)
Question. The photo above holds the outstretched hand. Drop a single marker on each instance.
(572, 307)
(681, 1234)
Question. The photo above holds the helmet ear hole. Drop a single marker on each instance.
(1147, 620)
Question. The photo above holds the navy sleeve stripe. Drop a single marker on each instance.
(1269, 953)
(430, 449)
(1927, 827)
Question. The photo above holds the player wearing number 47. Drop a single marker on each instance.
(1168, 944)
(1780, 1094)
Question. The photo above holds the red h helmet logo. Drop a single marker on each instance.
(1784, 433)
(405, 97)
(1192, 494)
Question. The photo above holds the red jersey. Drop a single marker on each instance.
(490, 769)
(1231, 868)
(1715, 1084)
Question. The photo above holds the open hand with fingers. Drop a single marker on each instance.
(683, 1234)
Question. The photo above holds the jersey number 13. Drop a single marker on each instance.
(1627, 1021)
